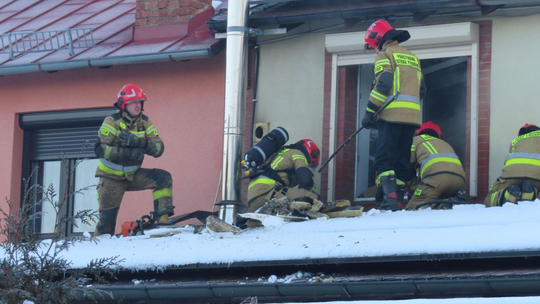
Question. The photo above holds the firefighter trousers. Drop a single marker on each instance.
(111, 192)
(435, 187)
(393, 150)
(498, 187)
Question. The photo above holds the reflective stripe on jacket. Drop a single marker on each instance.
(112, 164)
(285, 163)
(435, 156)
(407, 79)
(523, 161)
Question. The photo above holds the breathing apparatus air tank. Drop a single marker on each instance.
(269, 144)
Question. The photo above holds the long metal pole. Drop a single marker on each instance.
(234, 120)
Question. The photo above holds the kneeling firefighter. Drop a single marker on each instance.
(436, 164)
(124, 139)
(285, 173)
(520, 176)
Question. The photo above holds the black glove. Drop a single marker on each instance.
(128, 139)
(368, 122)
(130, 155)
(151, 148)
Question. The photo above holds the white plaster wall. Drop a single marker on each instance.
(515, 98)
(291, 87)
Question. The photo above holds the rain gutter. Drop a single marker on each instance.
(202, 292)
(52, 67)
(359, 261)
(385, 8)
(394, 277)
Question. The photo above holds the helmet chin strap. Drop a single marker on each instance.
(128, 117)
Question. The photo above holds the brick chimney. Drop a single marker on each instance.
(152, 13)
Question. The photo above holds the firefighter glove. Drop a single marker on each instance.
(128, 139)
(151, 148)
(133, 154)
(368, 121)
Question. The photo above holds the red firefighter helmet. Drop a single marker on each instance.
(381, 30)
(312, 151)
(527, 128)
(429, 126)
(129, 93)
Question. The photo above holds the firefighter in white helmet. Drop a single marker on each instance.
(124, 139)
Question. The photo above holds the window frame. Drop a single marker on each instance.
(32, 123)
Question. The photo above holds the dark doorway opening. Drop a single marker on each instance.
(445, 102)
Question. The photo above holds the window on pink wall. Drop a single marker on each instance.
(58, 150)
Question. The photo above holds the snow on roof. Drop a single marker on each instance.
(465, 229)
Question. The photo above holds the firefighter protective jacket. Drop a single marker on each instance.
(435, 156)
(397, 69)
(116, 161)
(523, 161)
(286, 163)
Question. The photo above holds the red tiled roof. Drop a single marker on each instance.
(116, 40)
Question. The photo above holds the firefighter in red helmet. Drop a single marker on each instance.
(436, 165)
(124, 138)
(396, 70)
(287, 174)
(520, 176)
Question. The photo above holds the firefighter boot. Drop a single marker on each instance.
(511, 194)
(460, 196)
(400, 196)
(389, 193)
(163, 219)
(528, 192)
(107, 222)
(379, 195)
(162, 216)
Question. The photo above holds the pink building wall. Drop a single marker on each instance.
(185, 103)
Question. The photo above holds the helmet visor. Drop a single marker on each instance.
(136, 100)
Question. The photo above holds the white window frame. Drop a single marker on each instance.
(427, 42)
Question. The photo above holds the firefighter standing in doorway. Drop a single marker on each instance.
(396, 70)
(436, 164)
(520, 176)
(124, 139)
(287, 174)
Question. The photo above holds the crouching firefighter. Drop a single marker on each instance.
(285, 173)
(124, 139)
(520, 176)
(435, 162)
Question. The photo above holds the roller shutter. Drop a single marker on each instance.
(50, 135)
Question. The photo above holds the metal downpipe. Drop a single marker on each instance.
(234, 118)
